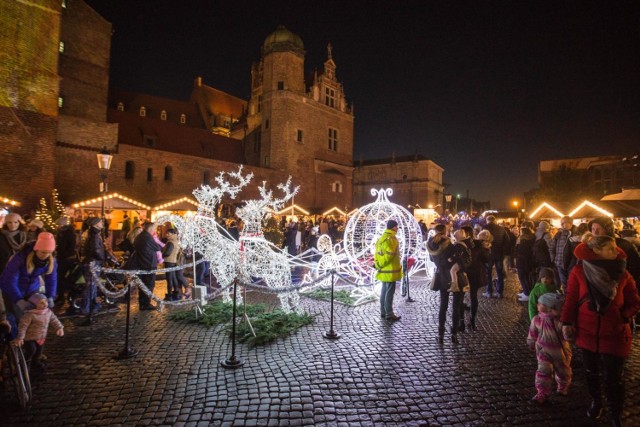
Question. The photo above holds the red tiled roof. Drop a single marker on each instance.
(154, 106)
(175, 138)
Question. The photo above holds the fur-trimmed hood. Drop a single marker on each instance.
(437, 244)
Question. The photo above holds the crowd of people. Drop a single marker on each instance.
(579, 283)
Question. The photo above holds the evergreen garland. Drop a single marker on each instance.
(268, 326)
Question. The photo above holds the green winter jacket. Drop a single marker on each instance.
(387, 258)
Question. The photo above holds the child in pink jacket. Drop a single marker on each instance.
(32, 330)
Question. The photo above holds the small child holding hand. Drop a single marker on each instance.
(552, 350)
(32, 330)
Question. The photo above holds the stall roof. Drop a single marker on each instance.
(622, 209)
(589, 209)
(182, 204)
(111, 201)
(546, 210)
(334, 209)
(293, 208)
(627, 194)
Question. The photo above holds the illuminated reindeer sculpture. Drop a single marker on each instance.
(259, 257)
(203, 234)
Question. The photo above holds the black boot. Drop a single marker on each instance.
(440, 337)
(615, 402)
(472, 325)
(454, 338)
(595, 390)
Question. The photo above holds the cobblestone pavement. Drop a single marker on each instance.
(376, 374)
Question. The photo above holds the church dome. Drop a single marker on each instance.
(282, 39)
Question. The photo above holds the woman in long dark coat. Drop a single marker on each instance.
(477, 271)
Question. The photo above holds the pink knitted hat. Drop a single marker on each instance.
(45, 242)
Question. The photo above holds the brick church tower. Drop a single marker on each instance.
(305, 130)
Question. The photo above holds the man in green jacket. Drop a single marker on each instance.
(389, 268)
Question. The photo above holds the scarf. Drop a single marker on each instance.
(13, 237)
(602, 277)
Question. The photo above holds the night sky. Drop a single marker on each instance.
(484, 88)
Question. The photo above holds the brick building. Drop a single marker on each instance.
(415, 180)
(573, 180)
(56, 113)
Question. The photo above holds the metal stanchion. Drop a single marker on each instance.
(127, 351)
(331, 334)
(233, 362)
(90, 286)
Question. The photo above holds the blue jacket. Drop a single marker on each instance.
(16, 283)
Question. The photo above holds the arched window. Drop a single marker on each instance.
(168, 173)
(336, 187)
(206, 178)
(129, 169)
(183, 119)
(120, 106)
(163, 115)
(143, 112)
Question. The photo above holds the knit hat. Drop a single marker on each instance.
(551, 300)
(35, 298)
(37, 223)
(45, 242)
(485, 235)
(391, 224)
(62, 221)
(12, 216)
(604, 222)
(93, 221)
(544, 225)
(547, 272)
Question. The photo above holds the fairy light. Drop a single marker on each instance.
(293, 208)
(334, 209)
(109, 197)
(175, 202)
(593, 206)
(542, 206)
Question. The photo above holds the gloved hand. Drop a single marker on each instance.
(23, 305)
(568, 332)
(51, 303)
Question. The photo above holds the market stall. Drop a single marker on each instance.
(183, 206)
(115, 207)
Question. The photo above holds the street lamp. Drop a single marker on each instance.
(447, 199)
(104, 164)
(515, 205)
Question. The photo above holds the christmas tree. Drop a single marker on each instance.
(47, 215)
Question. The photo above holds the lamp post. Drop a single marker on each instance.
(104, 164)
(515, 205)
(447, 199)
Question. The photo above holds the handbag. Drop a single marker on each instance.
(463, 282)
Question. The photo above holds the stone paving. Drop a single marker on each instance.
(377, 373)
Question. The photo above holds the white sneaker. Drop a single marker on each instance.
(523, 298)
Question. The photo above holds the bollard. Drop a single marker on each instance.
(127, 351)
(331, 334)
(233, 362)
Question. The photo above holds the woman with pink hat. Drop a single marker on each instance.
(21, 277)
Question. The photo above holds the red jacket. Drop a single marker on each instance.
(610, 332)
